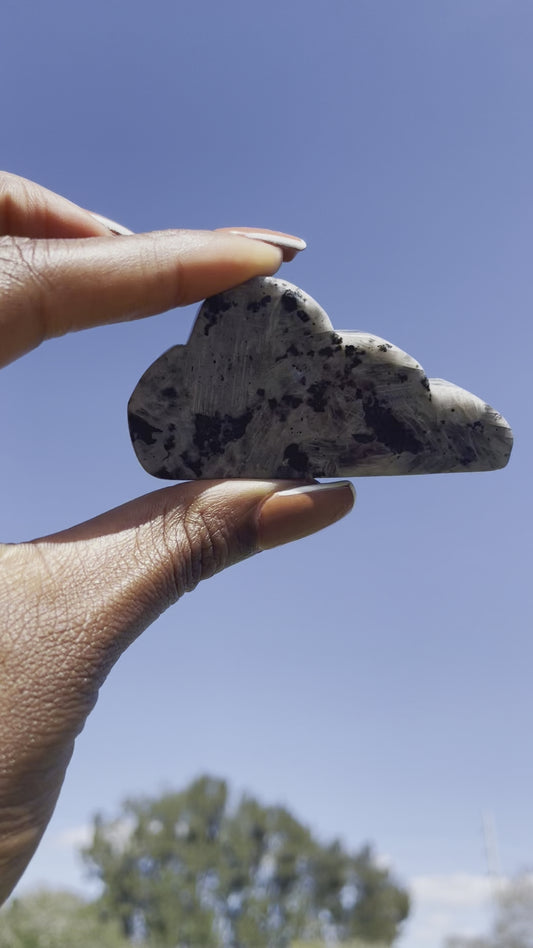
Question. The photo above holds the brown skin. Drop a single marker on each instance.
(61, 626)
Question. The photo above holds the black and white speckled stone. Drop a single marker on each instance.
(266, 387)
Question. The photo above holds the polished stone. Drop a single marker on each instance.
(265, 387)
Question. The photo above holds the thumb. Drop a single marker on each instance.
(153, 550)
(74, 601)
(88, 592)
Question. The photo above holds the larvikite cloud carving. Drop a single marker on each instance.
(265, 387)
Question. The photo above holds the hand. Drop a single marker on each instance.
(61, 627)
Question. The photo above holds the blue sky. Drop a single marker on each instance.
(376, 678)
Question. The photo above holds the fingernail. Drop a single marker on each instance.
(115, 228)
(295, 513)
(288, 243)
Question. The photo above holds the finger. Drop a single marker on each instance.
(50, 287)
(154, 549)
(29, 210)
(76, 600)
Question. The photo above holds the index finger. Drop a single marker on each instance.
(50, 287)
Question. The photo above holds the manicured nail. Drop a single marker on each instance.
(295, 513)
(289, 244)
(115, 228)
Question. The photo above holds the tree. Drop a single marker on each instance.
(186, 869)
(56, 920)
(513, 920)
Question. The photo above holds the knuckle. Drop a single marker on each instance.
(23, 282)
(172, 280)
(13, 255)
(30, 287)
(196, 550)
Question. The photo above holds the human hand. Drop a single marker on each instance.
(72, 602)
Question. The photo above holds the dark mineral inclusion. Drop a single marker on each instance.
(265, 387)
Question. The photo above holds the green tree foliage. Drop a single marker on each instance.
(56, 920)
(186, 869)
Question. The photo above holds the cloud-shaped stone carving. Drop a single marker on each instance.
(266, 387)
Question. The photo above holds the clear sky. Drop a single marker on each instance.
(376, 678)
